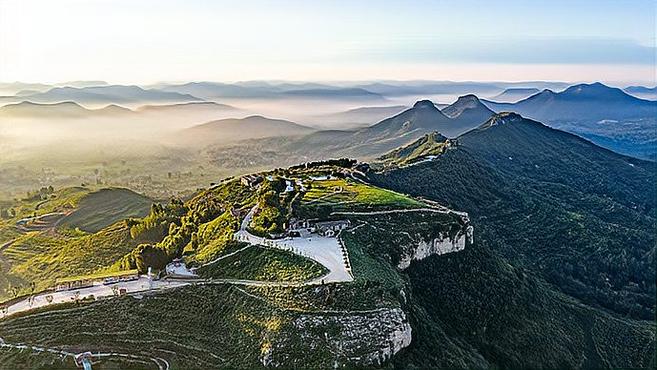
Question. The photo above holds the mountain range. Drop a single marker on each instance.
(357, 117)
(643, 92)
(580, 102)
(262, 90)
(109, 94)
(605, 115)
(424, 117)
(67, 109)
(559, 272)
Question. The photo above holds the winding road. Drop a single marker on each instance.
(161, 363)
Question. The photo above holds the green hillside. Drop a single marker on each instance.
(505, 301)
(239, 326)
(431, 144)
(104, 207)
(39, 244)
(520, 179)
(562, 269)
(264, 264)
(41, 258)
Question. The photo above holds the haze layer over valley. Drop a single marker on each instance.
(192, 184)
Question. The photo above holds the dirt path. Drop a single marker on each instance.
(372, 213)
(161, 363)
(222, 257)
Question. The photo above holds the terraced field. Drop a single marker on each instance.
(40, 242)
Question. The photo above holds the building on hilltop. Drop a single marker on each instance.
(331, 228)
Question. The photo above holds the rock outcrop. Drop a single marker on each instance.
(443, 244)
(353, 338)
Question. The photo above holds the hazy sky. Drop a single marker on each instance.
(142, 41)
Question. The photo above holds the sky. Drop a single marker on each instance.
(146, 41)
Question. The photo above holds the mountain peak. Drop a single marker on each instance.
(428, 146)
(503, 118)
(469, 109)
(468, 98)
(595, 89)
(462, 103)
(424, 104)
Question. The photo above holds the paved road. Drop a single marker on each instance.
(325, 251)
(143, 284)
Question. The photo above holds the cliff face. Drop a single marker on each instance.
(360, 338)
(443, 244)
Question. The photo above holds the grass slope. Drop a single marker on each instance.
(41, 258)
(431, 144)
(347, 195)
(104, 207)
(265, 264)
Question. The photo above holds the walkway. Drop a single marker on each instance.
(99, 290)
(326, 251)
(443, 210)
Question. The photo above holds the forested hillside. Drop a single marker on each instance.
(581, 216)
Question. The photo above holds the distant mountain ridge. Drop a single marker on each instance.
(232, 130)
(578, 102)
(514, 94)
(642, 92)
(66, 109)
(116, 94)
(255, 89)
(399, 130)
(605, 115)
(164, 108)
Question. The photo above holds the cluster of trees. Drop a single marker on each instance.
(177, 226)
(43, 193)
(341, 162)
(158, 222)
(272, 208)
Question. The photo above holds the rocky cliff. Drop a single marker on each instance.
(365, 338)
(443, 244)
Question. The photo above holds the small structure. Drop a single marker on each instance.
(251, 180)
(84, 360)
(331, 228)
(452, 144)
(299, 224)
(177, 268)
